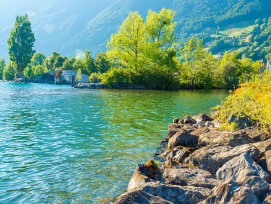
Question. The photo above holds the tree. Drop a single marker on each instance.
(38, 59)
(54, 62)
(2, 67)
(10, 71)
(89, 64)
(79, 75)
(126, 48)
(102, 63)
(21, 43)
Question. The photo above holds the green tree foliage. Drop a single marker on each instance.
(198, 65)
(102, 63)
(37, 59)
(2, 67)
(21, 43)
(126, 48)
(79, 75)
(54, 62)
(10, 71)
(89, 64)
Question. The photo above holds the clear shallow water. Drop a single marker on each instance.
(64, 145)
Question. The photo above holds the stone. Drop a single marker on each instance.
(190, 177)
(143, 174)
(267, 199)
(176, 120)
(181, 153)
(172, 130)
(244, 171)
(241, 120)
(263, 146)
(188, 120)
(232, 139)
(182, 138)
(230, 193)
(211, 158)
(268, 160)
(141, 197)
(202, 117)
(176, 194)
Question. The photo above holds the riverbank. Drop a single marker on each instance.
(203, 164)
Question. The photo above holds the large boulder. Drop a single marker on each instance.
(141, 197)
(241, 120)
(263, 146)
(211, 158)
(190, 177)
(231, 193)
(177, 194)
(244, 171)
(172, 130)
(268, 160)
(143, 174)
(183, 138)
(188, 120)
(232, 139)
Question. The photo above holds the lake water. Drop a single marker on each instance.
(65, 145)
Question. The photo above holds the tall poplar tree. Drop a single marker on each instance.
(21, 43)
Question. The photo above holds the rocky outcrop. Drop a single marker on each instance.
(202, 164)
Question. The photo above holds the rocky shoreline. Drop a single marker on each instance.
(203, 164)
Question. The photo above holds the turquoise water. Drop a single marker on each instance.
(64, 145)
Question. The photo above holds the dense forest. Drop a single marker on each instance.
(144, 53)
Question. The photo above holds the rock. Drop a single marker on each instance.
(202, 117)
(267, 199)
(188, 120)
(244, 171)
(232, 139)
(141, 197)
(268, 160)
(241, 120)
(190, 177)
(256, 134)
(143, 174)
(176, 194)
(263, 146)
(231, 193)
(182, 138)
(211, 158)
(181, 153)
(172, 130)
(209, 124)
(176, 120)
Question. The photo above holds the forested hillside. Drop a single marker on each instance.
(67, 27)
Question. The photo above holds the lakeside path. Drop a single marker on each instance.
(202, 164)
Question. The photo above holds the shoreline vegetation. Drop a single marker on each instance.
(223, 159)
(144, 53)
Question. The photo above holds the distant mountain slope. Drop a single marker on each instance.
(71, 25)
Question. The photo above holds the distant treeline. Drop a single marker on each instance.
(143, 53)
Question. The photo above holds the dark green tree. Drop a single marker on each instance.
(2, 67)
(102, 63)
(10, 71)
(89, 64)
(21, 43)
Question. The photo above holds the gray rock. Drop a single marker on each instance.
(268, 160)
(144, 174)
(172, 130)
(232, 139)
(263, 146)
(190, 177)
(176, 120)
(230, 193)
(176, 194)
(183, 138)
(211, 158)
(202, 118)
(188, 120)
(181, 153)
(244, 171)
(241, 120)
(267, 199)
(141, 197)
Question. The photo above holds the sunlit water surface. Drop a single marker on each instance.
(64, 145)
